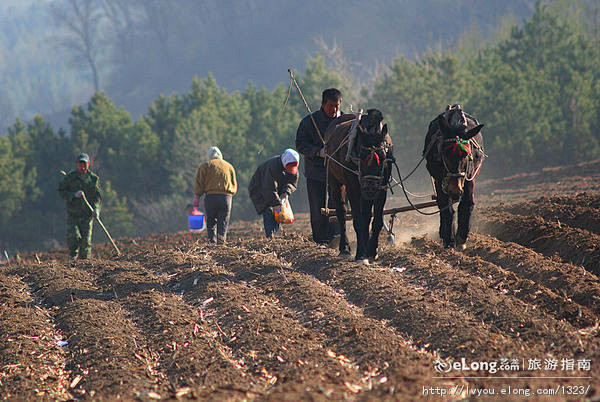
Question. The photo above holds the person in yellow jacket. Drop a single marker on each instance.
(215, 179)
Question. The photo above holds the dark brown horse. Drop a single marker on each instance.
(454, 154)
(362, 174)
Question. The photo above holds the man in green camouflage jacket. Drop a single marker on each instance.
(80, 218)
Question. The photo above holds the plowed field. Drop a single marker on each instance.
(517, 313)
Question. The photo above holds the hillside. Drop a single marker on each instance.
(143, 48)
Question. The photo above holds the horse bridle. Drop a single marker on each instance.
(370, 182)
(456, 143)
(373, 183)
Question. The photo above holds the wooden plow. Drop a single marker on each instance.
(389, 227)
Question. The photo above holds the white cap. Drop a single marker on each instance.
(214, 153)
(289, 156)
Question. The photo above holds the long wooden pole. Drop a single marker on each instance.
(101, 224)
(306, 105)
(325, 210)
(391, 211)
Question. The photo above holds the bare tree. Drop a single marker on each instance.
(121, 14)
(348, 70)
(80, 21)
(157, 20)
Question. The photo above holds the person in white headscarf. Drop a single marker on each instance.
(215, 179)
(275, 179)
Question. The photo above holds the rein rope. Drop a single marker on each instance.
(413, 205)
(476, 172)
(287, 98)
(401, 181)
(330, 157)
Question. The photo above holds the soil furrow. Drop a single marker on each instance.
(180, 349)
(32, 364)
(449, 275)
(108, 354)
(58, 284)
(263, 269)
(574, 283)
(106, 357)
(527, 186)
(308, 257)
(430, 322)
(175, 318)
(548, 238)
(266, 338)
(196, 363)
(271, 341)
(582, 211)
(383, 355)
(487, 275)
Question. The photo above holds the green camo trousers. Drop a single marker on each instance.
(79, 235)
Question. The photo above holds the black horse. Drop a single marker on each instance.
(362, 174)
(454, 155)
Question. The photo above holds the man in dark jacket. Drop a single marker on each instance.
(72, 188)
(311, 145)
(273, 180)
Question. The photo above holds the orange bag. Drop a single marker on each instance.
(283, 213)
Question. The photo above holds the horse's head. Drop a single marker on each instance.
(456, 149)
(373, 151)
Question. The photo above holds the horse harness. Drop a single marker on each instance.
(458, 145)
(371, 184)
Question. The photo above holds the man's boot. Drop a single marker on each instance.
(73, 246)
(85, 249)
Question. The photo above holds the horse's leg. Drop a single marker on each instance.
(340, 212)
(353, 193)
(377, 224)
(446, 215)
(366, 211)
(465, 209)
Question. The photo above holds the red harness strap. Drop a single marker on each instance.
(369, 158)
(459, 147)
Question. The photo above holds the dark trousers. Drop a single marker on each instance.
(271, 225)
(218, 209)
(323, 231)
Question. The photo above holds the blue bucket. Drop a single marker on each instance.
(196, 222)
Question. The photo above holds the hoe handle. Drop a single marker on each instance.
(101, 225)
